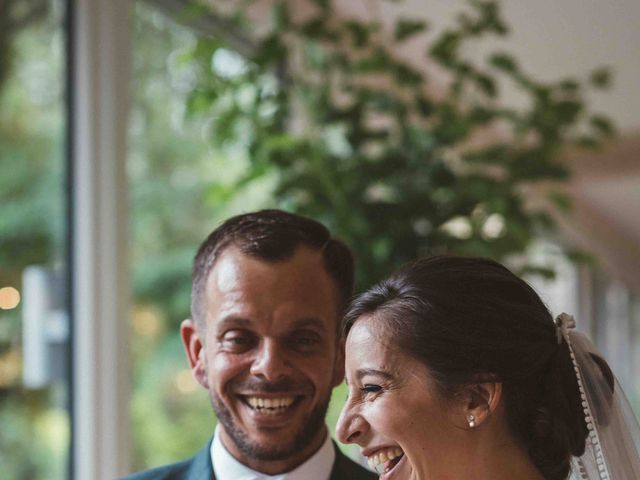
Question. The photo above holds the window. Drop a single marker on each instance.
(34, 370)
(605, 309)
(180, 189)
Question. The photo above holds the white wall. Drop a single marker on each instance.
(551, 38)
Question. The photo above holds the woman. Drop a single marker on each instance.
(456, 370)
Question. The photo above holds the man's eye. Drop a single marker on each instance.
(304, 340)
(238, 340)
(370, 388)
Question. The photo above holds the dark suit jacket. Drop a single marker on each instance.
(199, 467)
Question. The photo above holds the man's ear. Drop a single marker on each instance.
(338, 369)
(194, 348)
(476, 402)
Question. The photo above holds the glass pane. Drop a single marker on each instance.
(179, 193)
(34, 388)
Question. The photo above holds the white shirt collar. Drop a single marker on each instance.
(226, 467)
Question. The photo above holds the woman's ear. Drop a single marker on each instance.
(194, 348)
(476, 402)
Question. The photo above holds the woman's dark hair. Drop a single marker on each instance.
(466, 318)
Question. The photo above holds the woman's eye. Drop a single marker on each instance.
(370, 388)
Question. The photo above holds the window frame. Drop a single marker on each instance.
(98, 81)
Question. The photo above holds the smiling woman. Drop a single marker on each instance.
(386, 380)
(457, 370)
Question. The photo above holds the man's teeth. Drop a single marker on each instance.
(270, 404)
(383, 456)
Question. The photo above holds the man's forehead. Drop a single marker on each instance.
(234, 269)
(298, 289)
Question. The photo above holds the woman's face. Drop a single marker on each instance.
(394, 411)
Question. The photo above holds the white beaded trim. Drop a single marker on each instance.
(564, 322)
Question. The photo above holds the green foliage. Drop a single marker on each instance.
(406, 28)
(34, 436)
(180, 189)
(360, 144)
(16, 16)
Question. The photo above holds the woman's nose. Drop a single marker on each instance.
(351, 426)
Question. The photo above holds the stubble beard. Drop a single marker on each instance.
(311, 425)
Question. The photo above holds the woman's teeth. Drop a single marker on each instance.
(378, 461)
(270, 405)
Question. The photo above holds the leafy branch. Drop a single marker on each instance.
(359, 139)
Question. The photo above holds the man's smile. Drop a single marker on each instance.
(270, 405)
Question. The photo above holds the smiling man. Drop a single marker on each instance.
(269, 290)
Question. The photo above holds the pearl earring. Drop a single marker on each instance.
(472, 421)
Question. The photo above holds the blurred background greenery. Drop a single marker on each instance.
(390, 167)
(34, 424)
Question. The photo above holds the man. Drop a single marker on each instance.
(269, 290)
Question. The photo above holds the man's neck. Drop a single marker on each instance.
(274, 467)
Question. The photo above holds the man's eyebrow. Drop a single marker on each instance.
(233, 321)
(363, 372)
(307, 322)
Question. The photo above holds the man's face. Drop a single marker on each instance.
(270, 355)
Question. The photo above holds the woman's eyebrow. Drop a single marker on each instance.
(372, 371)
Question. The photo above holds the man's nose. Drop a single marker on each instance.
(271, 361)
(351, 427)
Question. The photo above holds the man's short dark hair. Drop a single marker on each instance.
(272, 235)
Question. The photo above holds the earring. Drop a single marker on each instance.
(472, 421)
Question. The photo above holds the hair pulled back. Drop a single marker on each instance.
(468, 317)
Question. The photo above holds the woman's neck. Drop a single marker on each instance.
(489, 455)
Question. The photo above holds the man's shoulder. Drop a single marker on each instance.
(346, 469)
(195, 468)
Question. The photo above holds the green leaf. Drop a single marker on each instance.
(406, 28)
(407, 75)
(560, 200)
(603, 125)
(281, 19)
(581, 257)
(481, 115)
(505, 62)
(445, 49)
(486, 84)
(424, 105)
(567, 111)
(192, 12)
(569, 85)
(601, 77)
(378, 61)
(317, 28)
(359, 32)
(490, 19)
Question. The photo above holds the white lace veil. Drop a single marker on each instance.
(613, 445)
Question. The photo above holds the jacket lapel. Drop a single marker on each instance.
(201, 467)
